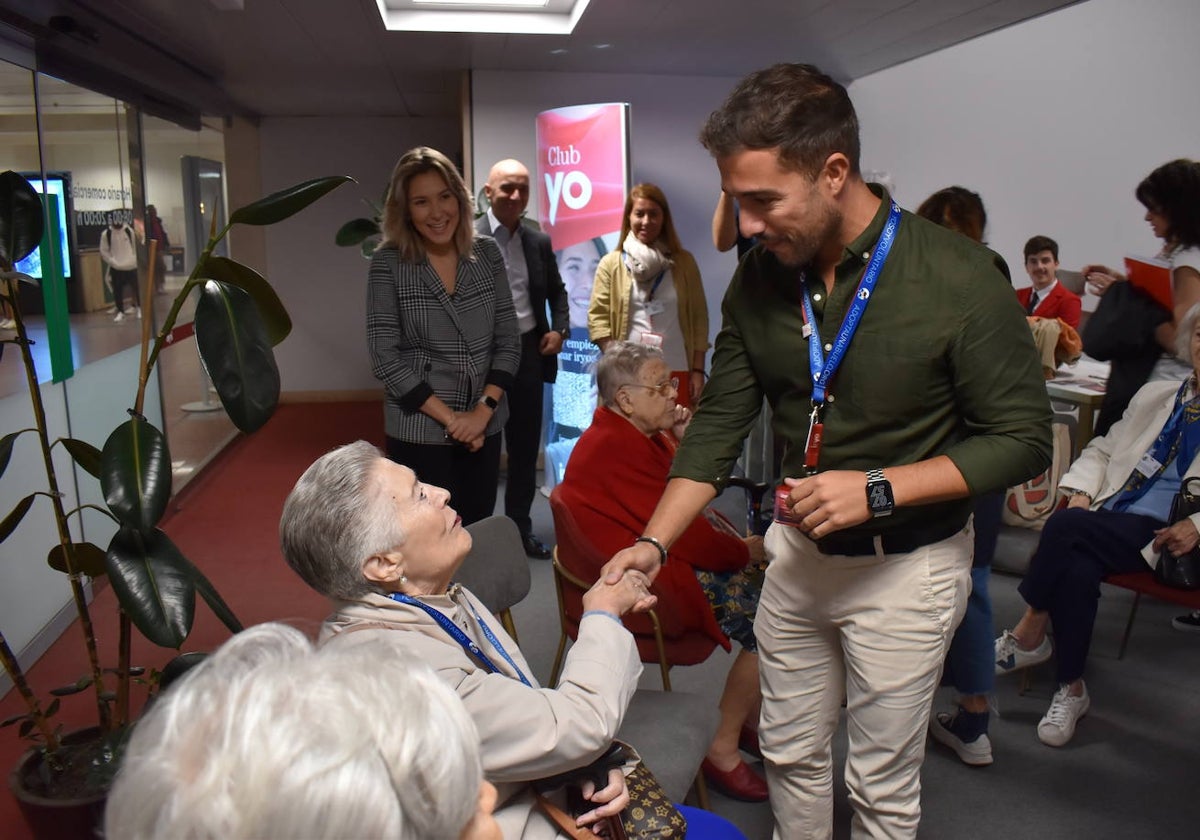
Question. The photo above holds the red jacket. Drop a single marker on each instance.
(614, 479)
(1060, 303)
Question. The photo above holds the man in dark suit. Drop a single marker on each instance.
(533, 277)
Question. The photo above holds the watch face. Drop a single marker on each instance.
(879, 498)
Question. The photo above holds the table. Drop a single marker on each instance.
(1084, 392)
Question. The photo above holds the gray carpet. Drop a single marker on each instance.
(1130, 772)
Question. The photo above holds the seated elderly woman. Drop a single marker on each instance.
(613, 481)
(1120, 492)
(268, 738)
(367, 533)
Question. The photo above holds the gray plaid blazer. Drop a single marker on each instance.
(424, 342)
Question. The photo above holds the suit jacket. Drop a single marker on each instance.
(423, 343)
(1103, 467)
(545, 285)
(1060, 303)
(613, 482)
(526, 732)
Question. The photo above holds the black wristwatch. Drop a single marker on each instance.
(490, 402)
(879, 494)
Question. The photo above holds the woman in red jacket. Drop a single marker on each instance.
(617, 472)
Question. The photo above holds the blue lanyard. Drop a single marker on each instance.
(459, 636)
(654, 286)
(823, 369)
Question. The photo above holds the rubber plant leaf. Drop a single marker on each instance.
(153, 584)
(135, 474)
(21, 219)
(6, 448)
(355, 231)
(85, 455)
(270, 307)
(89, 559)
(215, 602)
(280, 205)
(236, 352)
(15, 516)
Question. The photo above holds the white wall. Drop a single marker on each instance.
(324, 286)
(1053, 122)
(666, 113)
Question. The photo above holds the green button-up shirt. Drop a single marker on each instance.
(942, 363)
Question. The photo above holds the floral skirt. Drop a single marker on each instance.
(733, 597)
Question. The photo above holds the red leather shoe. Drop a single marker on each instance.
(748, 741)
(739, 783)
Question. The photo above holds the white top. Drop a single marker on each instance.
(1170, 367)
(513, 251)
(658, 316)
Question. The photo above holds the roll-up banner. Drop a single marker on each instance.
(582, 181)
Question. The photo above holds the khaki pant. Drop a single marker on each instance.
(874, 630)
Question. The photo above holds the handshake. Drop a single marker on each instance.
(631, 592)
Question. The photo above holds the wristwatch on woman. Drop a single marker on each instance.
(490, 402)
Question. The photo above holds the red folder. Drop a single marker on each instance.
(1153, 277)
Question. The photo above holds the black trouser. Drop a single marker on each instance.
(120, 279)
(471, 477)
(523, 433)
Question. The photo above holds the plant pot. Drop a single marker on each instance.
(76, 817)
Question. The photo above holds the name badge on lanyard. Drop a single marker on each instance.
(823, 369)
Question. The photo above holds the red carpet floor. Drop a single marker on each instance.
(226, 522)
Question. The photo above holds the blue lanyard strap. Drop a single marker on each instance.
(823, 369)
(459, 636)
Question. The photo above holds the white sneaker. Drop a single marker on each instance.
(119, 318)
(137, 310)
(1058, 726)
(1010, 657)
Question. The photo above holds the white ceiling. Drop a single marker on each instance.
(328, 57)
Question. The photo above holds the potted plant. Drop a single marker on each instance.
(238, 320)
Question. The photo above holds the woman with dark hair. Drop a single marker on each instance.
(442, 333)
(1171, 196)
(648, 290)
(956, 208)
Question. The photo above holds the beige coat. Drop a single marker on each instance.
(526, 733)
(1108, 461)
(612, 292)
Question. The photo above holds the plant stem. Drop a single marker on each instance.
(126, 637)
(13, 667)
(60, 518)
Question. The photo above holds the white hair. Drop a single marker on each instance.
(269, 738)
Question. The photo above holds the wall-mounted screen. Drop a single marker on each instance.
(59, 184)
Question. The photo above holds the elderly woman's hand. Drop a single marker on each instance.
(613, 798)
(683, 416)
(1178, 539)
(630, 592)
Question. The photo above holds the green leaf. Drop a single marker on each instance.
(9, 721)
(14, 517)
(25, 728)
(270, 307)
(368, 248)
(153, 585)
(79, 685)
(20, 277)
(135, 474)
(280, 205)
(6, 448)
(355, 231)
(21, 219)
(85, 455)
(236, 351)
(52, 709)
(89, 559)
(211, 597)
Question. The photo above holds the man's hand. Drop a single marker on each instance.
(758, 552)
(642, 557)
(829, 501)
(613, 798)
(551, 344)
(1178, 539)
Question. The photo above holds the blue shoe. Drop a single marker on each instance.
(965, 733)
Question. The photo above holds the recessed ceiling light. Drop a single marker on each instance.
(559, 51)
(532, 17)
(602, 46)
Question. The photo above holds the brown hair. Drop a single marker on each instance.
(956, 208)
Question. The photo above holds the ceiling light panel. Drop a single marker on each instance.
(527, 17)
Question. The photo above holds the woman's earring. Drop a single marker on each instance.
(403, 579)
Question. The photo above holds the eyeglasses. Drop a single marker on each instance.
(666, 388)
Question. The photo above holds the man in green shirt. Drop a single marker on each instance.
(929, 392)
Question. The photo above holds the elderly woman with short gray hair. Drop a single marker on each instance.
(385, 546)
(617, 472)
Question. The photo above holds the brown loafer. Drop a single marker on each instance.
(739, 783)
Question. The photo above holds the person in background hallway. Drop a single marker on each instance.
(615, 477)
(118, 249)
(534, 281)
(725, 230)
(156, 232)
(649, 290)
(1047, 298)
(269, 738)
(939, 397)
(969, 664)
(1119, 495)
(441, 333)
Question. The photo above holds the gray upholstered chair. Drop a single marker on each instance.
(496, 569)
